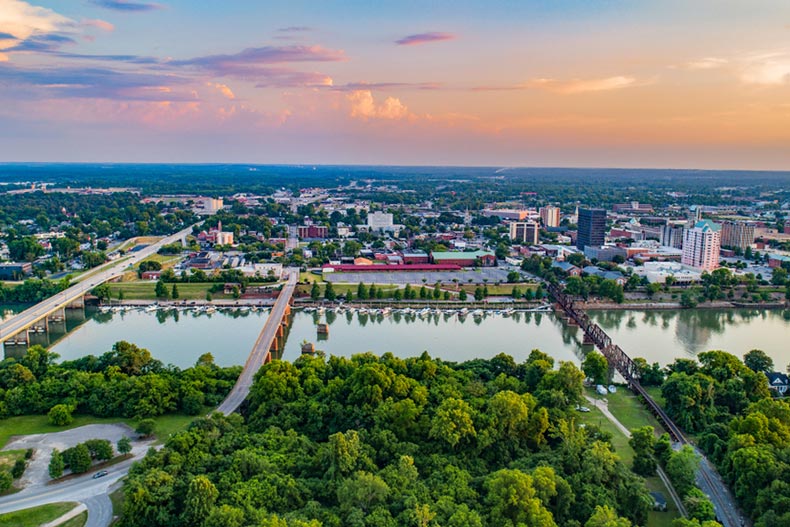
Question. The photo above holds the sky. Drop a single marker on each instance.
(576, 83)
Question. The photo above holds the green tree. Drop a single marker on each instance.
(362, 291)
(758, 361)
(19, 468)
(364, 490)
(513, 500)
(6, 480)
(698, 506)
(60, 415)
(79, 460)
(145, 427)
(315, 292)
(605, 516)
(160, 290)
(224, 516)
(200, 499)
(453, 422)
(124, 445)
(479, 294)
(329, 292)
(682, 468)
(596, 367)
(56, 464)
(174, 291)
(462, 296)
(643, 441)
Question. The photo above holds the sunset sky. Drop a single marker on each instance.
(614, 83)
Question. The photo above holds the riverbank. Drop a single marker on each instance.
(657, 306)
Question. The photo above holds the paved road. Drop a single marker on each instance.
(78, 489)
(260, 349)
(99, 511)
(110, 270)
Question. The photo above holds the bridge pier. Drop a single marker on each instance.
(77, 303)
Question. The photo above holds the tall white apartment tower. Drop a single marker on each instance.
(701, 245)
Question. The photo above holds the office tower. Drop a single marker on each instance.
(592, 228)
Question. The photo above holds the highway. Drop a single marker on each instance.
(107, 271)
(261, 348)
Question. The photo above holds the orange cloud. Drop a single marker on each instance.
(363, 106)
(224, 89)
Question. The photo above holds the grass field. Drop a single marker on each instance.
(35, 516)
(630, 411)
(144, 290)
(39, 424)
(116, 497)
(77, 521)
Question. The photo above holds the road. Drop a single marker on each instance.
(261, 347)
(82, 489)
(107, 271)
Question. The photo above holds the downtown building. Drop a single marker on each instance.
(550, 216)
(737, 234)
(525, 232)
(701, 246)
(592, 228)
(672, 236)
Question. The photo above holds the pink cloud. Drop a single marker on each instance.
(99, 24)
(424, 38)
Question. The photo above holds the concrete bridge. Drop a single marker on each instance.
(270, 339)
(37, 319)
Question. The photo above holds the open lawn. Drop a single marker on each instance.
(35, 516)
(630, 411)
(342, 289)
(77, 521)
(501, 289)
(116, 497)
(167, 260)
(144, 290)
(39, 424)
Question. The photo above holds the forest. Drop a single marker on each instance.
(726, 404)
(383, 441)
(124, 382)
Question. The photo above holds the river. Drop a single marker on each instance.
(659, 336)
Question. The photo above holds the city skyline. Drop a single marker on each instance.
(627, 84)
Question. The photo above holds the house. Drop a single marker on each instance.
(567, 267)
(151, 275)
(603, 274)
(779, 382)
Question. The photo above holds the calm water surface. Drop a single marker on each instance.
(660, 336)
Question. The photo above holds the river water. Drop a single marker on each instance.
(660, 336)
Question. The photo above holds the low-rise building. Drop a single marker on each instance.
(465, 259)
(778, 382)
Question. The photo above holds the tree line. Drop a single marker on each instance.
(124, 382)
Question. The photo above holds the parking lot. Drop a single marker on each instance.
(489, 275)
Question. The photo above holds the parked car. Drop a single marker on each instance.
(100, 474)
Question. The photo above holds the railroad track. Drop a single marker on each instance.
(726, 510)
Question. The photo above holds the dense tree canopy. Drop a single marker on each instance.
(385, 441)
